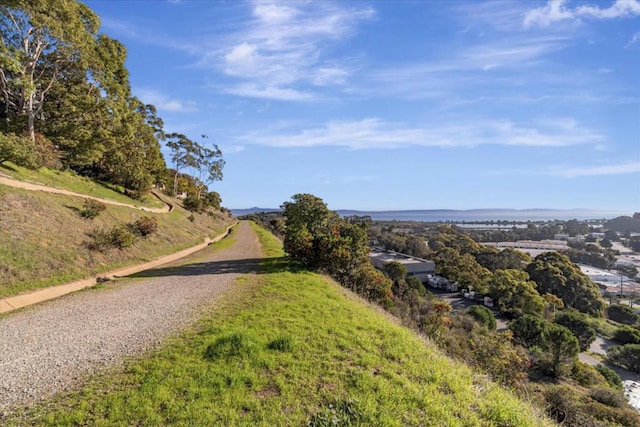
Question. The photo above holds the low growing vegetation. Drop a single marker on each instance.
(46, 242)
(92, 208)
(290, 348)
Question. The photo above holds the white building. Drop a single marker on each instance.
(421, 268)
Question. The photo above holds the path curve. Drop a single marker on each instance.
(49, 347)
(12, 182)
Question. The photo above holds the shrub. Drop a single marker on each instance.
(627, 356)
(612, 377)
(586, 375)
(92, 208)
(415, 283)
(121, 237)
(483, 316)
(117, 237)
(527, 330)
(192, 203)
(622, 314)
(101, 240)
(608, 397)
(144, 226)
(579, 325)
(563, 406)
(627, 335)
(17, 149)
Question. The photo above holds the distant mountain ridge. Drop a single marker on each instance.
(534, 214)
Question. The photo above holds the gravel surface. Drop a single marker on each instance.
(48, 348)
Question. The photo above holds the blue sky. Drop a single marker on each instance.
(376, 105)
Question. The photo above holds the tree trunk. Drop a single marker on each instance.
(31, 120)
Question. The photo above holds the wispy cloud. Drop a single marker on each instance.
(165, 103)
(634, 39)
(557, 10)
(499, 61)
(283, 48)
(374, 133)
(618, 169)
(254, 90)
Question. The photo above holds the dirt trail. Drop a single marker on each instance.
(49, 347)
(11, 182)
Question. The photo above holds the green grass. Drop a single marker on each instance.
(44, 239)
(70, 181)
(291, 348)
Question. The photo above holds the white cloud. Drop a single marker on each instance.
(634, 40)
(618, 169)
(556, 10)
(620, 9)
(165, 103)
(373, 133)
(327, 76)
(552, 12)
(285, 46)
(269, 92)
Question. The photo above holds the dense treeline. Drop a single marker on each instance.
(66, 102)
(554, 307)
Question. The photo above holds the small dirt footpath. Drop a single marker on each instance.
(10, 182)
(49, 347)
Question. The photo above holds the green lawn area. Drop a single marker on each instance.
(289, 347)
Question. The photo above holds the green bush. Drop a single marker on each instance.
(483, 316)
(92, 208)
(586, 375)
(415, 283)
(622, 314)
(144, 226)
(579, 325)
(119, 237)
(627, 356)
(627, 335)
(563, 406)
(192, 203)
(17, 149)
(608, 397)
(612, 377)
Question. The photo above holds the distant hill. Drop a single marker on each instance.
(240, 212)
(434, 215)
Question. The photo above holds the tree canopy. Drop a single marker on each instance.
(554, 273)
(65, 101)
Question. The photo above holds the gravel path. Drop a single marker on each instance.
(48, 348)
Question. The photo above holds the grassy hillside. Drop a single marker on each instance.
(76, 183)
(45, 241)
(291, 348)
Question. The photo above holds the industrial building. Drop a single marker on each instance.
(421, 268)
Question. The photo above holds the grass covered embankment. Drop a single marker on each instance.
(290, 347)
(45, 241)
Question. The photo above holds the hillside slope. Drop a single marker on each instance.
(45, 241)
(291, 348)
